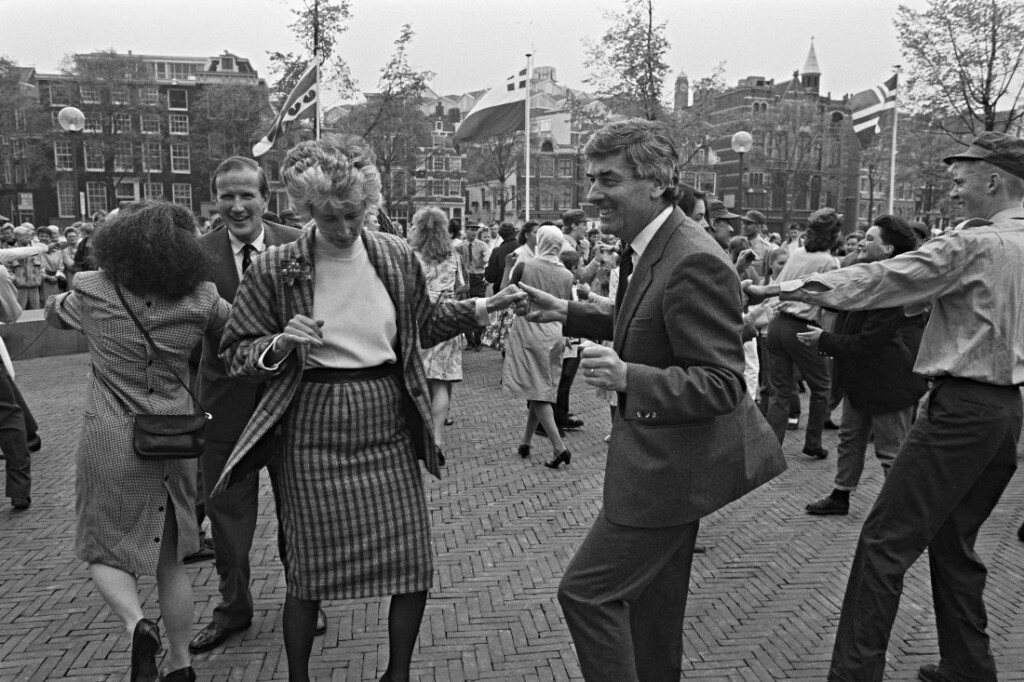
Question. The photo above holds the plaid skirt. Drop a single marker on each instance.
(351, 501)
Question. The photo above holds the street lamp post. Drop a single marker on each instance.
(72, 120)
(741, 143)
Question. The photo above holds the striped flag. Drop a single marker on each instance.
(867, 108)
(302, 99)
(499, 112)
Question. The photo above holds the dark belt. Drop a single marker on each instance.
(942, 378)
(798, 319)
(327, 375)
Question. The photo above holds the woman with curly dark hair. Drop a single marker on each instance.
(136, 517)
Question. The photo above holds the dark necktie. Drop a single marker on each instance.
(247, 252)
(625, 270)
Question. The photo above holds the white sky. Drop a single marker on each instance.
(475, 44)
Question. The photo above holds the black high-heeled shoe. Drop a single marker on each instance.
(145, 647)
(563, 456)
(180, 675)
(524, 451)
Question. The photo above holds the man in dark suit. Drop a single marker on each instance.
(241, 190)
(686, 438)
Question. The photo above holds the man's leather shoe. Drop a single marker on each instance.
(321, 622)
(828, 506)
(180, 675)
(145, 647)
(35, 443)
(930, 673)
(571, 423)
(817, 453)
(204, 553)
(212, 636)
(21, 503)
(1020, 532)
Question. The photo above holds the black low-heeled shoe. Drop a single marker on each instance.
(180, 675)
(524, 451)
(563, 456)
(145, 647)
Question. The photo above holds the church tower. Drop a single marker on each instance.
(682, 92)
(810, 75)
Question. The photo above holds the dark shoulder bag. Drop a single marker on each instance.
(166, 436)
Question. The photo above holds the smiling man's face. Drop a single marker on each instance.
(625, 202)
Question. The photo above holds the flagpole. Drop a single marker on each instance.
(892, 153)
(526, 130)
(316, 56)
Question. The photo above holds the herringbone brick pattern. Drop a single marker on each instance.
(764, 599)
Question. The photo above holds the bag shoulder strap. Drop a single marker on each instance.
(156, 350)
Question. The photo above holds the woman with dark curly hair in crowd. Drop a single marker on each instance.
(137, 517)
(443, 268)
(334, 323)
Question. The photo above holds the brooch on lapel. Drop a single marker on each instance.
(296, 270)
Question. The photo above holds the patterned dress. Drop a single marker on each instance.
(122, 501)
(443, 362)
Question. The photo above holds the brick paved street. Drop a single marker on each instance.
(764, 603)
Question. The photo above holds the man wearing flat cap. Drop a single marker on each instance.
(719, 226)
(962, 450)
(753, 222)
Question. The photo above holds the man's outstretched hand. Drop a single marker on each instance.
(541, 306)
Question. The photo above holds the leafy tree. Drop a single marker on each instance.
(628, 62)
(113, 90)
(393, 123)
(492, 162)
(317, 28)
(694, 127)
(24, 124)
(227, 118)
(964, 63)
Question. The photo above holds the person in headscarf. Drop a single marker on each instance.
(533, 361)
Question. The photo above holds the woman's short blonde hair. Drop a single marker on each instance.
(331, 172)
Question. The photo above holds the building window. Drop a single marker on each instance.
(547, 168)
(177, 99)
(66, 198)
(181, 193)
(124, 191)
(756, 179)
(438, 125)
(455, 164)
(227, 64)
(178, 124)
(123, 157)
(90, 95)
(20, 175)
(18, 148)
(152, 190)
(437, 163)
(149, 95)
(119, 94)
(180, 71)
(95, 197)
(62, 156)
(93, 123)
(863, 184)
(58, 94)
(149, 124)
(438, 139)
(93, 152)
(180, 159)
(564, 199)
(437, 188)
(565, 168)
(546, 201)
(121, 122)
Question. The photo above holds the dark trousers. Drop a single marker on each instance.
(788, 354)
(764, 390)
(947, 477)
(233, 523)
(477, 288)
(16, 422)
(569, 368)
(624, 598)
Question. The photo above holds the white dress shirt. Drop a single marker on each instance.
(237, 245)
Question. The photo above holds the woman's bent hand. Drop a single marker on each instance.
(301, 331)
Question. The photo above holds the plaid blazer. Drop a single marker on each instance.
(275, 289)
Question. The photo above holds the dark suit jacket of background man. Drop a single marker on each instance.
(232, 402)
(686, 438)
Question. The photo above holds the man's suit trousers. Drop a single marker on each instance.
(624, 598)
(947, 478)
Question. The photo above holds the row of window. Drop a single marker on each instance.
(61, 94)
(124, 156)
(446, 163)
(439, 188)
(96, 195)
(123, 122)
(559, 200)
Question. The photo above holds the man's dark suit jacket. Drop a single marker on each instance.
(686, 437)
(231, 401)
(496, 263)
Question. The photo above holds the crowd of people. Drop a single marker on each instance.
(328, 355)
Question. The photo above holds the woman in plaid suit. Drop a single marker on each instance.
(137, 517)
(334, 323)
